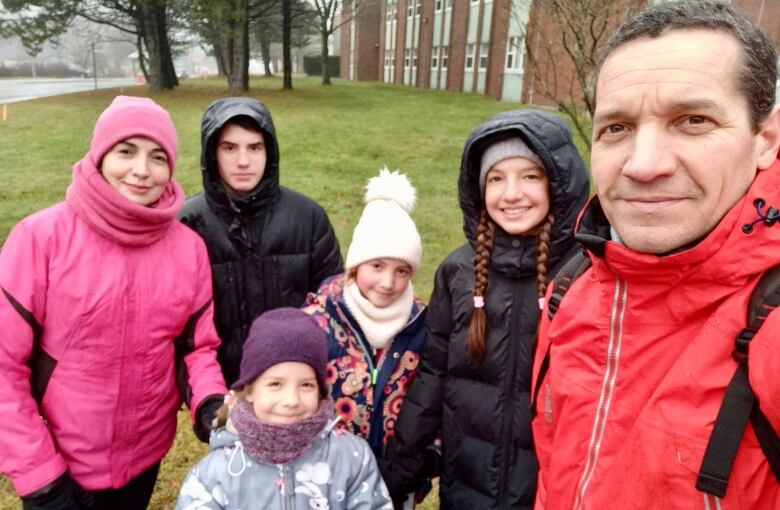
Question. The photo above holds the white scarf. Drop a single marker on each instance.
(379, 325)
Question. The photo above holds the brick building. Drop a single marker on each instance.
(465, 45)
(476, 45)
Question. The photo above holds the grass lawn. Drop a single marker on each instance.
(331, 140)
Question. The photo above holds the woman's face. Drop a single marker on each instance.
(516, 195)
(138, 169)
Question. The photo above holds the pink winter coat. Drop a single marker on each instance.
(105, 298)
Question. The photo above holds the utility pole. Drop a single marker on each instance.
(94, 65)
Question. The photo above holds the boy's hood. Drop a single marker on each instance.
(215, 116)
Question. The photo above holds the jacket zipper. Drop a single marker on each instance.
(374, 369)
(607, 389)
(381, 362)
(286, 487)
(506, 434)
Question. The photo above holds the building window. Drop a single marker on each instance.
(474, 1)
(514, 57)
(407, 58)
(418, 4)
(449, 4)
(392, 11)
(484, 48)
(470, 49)
(414, 58)
(438, 5)
(444, 57)
(411, 7)
(435, 57)
(388, 58)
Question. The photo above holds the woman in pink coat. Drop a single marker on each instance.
(107, 324)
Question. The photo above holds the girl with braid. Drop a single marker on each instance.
(521, 186)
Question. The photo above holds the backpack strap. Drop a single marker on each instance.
(563, 281)
(739, 403)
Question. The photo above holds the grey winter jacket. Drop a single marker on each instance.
(337, 472)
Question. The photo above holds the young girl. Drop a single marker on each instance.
(521, 186)
(276, 447)
(103, 295)
(371, 315)
(373, 320)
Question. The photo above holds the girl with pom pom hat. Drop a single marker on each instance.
(373, 320)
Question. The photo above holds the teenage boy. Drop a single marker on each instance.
(268, 245)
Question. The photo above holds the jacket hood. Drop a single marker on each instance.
(215, 116)
(550, 138)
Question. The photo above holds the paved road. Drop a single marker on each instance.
(14, 90)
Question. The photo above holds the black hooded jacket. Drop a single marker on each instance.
(482, 411)
(267, 249)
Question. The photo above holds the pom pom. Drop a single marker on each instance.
(392, 186)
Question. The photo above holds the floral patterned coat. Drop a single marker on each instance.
(368, 396)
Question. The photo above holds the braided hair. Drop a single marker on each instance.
(482, 254)
(484, 248)
(543, 253)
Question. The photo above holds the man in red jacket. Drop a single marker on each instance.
(685, 165)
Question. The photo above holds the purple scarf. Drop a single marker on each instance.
(275, 443)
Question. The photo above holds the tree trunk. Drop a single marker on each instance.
(265, 51)
(235, 45)
(219, 56)
(325, 66)
(160, 73)
(286, 44)
(139, 45)
(169, 71)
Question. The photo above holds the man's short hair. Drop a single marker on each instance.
(243, 121)
(756, 78)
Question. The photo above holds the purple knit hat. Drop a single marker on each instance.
(283, 334)
(127, 117)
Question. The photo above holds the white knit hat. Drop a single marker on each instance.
(501, 150)
(385, 229)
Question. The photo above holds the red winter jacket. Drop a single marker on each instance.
(640, 356)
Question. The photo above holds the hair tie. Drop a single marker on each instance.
(479, 302)
(541, 303)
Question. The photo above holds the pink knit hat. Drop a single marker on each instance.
(127, 117)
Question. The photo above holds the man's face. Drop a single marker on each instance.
(241, 158)
(673, 149)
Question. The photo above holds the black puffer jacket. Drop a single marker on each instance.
(267, 249)
(482, 411)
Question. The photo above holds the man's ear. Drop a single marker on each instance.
(768, 139)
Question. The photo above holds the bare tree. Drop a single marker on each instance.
(561, 67)
(330, 18)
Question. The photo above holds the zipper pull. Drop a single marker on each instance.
(373, 375)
